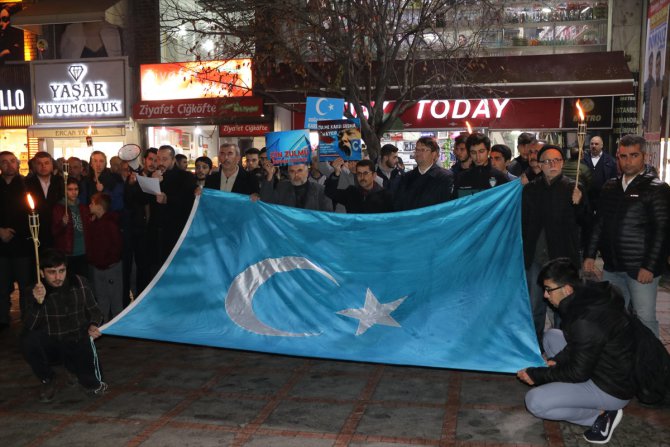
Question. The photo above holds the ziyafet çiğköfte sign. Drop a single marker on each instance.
(80, 90)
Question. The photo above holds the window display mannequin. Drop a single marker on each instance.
(90, 39)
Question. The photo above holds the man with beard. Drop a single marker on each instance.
(463, 160)
(61, 319)
(170, 209)
(298, 191)
(520, 163)
(137, 206)
(387, 168)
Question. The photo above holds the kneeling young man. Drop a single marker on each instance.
(587, 380)
(60, 323)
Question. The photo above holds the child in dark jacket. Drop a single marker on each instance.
(103, 252)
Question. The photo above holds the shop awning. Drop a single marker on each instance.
(52, 12)
(537, 76)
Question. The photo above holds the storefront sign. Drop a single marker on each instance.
(244, 130)
(199, 108)
(492, 113)
(625, 115)
(87, 89)
(189, 80)
(597, 112)
(76, 132)
(12, 102)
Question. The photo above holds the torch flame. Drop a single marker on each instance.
(31, 203)
(580, 111)
(89, 131)
(469, 127)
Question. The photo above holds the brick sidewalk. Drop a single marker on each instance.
(165, 394)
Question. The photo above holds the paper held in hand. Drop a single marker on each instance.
(149, 185)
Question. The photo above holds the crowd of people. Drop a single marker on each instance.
(114, 237)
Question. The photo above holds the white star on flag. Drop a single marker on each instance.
(331, 107)
(373, 312)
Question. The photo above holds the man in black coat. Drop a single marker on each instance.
(602, 165)
(171, 208)
(587, 380)
(365, 197)
(631, 230)
(427, 184)
(16, 248)
(552, 213)
(46, 189)
(230, 176)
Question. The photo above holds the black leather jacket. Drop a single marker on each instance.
(631, 229)
(600, 343)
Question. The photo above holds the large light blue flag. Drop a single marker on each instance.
(442, 286)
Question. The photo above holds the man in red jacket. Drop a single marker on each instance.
(103, 252)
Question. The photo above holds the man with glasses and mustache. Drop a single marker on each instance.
(588, 377)
(367, 196)
(427, 184)
(553, 210)
(631, 230)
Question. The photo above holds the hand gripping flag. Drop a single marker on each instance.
(442, 286)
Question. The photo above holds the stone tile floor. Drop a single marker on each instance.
(164, 394)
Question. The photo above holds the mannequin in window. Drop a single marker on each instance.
(11, 39)
(90, 39)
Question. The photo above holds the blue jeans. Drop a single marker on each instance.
(642, 296)
(578, 403)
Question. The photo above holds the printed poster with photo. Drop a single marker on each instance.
(340, 138)
(288, 147)
(654, 68)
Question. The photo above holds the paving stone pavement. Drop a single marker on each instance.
(164, 394)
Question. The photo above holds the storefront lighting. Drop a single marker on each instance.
(197, 131)
(163, 131)
(546, 10)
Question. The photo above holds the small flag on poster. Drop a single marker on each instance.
(318, 109)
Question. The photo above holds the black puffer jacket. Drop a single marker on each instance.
(631, 229)
(600, 342)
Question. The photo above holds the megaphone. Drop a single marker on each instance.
(131, 153)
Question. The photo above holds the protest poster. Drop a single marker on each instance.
(288, 147)
(339, 138)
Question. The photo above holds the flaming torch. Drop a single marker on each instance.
(581, 135)
(469, 127)
(34, 224)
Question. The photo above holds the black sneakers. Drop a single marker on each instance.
(47, 391)
(602, 429)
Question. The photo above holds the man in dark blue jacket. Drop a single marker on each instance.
(427, 184)
(587, 380)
